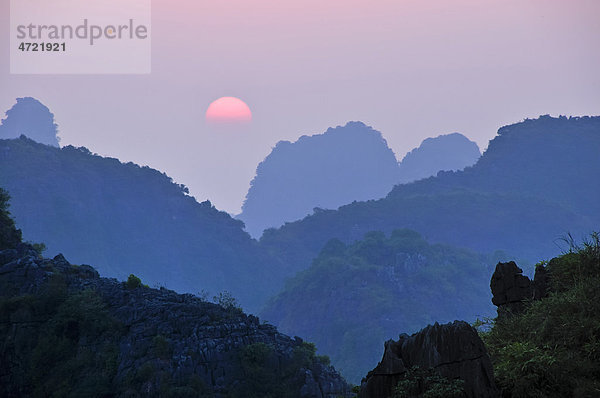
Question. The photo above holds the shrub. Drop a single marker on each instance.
(133, 282)
(552, 348)
(418, 382)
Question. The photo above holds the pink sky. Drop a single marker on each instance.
(411, 69)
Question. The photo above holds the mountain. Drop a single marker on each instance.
(448, 152)
(325, 170)
(130, 219)
(344, 164)
(534, 184)
(355, 297)
(64, 331)
(31, 118)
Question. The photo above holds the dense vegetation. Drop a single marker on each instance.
(552, 348)
(9, 234)
(355, 297)
(427, 383)
(531, 186)
(62, 336)
(73, 349)
(125, 219)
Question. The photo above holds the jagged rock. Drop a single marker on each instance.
(198, 341)
(510, 287)
(454, 350)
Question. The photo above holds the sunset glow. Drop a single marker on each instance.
(228, 110)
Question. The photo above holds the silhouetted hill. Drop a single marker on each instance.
(130, 219)
(342, 165)
(448, 152)
(31, 118)
(535, 183)
(355, 297)
(327, 170)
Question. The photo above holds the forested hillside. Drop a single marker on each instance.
(535, 183)
(125, 219)
(355, 297)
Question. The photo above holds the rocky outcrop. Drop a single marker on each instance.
(162, 339)
(453, 350)
(511, 289)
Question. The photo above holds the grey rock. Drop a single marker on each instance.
(454, 350)
(510, 288)
(201, 339)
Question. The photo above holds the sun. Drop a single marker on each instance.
(228, 110)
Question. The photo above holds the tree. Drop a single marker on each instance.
(10, 236)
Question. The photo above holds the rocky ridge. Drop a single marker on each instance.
(453, 350)
(179, 337)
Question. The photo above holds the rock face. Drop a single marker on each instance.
(454, 350)
(160, 339)
(510, 287)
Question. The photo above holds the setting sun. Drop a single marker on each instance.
(228, 110)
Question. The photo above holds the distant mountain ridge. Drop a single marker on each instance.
(534, 184)
(130, 219)
(447, 152)
(344, 164)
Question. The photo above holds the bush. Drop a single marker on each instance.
(133, 282)
(227, 301)
(10, 236)
(552, 348)
(421, 383)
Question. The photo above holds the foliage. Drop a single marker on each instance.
(226, 300)
(131, 219)
(162, 347)
(552, 349)
(504, 202)
(10, 236)
(427, 383)
(133, 282)
(53, 360)
(354, 297)
(40, 248)
(266, 375)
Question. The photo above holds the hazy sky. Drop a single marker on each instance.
(411, 69)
